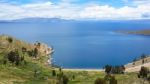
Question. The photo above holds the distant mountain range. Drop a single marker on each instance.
(64, 20)
(36, 20)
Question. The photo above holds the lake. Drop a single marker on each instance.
(85, 44)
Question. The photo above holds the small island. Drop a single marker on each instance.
(138, 32)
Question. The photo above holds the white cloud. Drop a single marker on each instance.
(137, 2)
(71, 11)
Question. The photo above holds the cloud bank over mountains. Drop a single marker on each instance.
(66, 9)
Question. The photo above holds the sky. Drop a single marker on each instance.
(75, 9)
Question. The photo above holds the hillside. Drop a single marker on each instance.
(12, 73)
(135, 66)
(34, 69)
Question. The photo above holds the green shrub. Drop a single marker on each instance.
(113, 80)
(53, 73)
(143, 72)
(65, 79)
(10, 40)
(100, 81)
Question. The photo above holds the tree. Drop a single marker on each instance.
(53, 73)
(11, 56)
(123, 69)
(38, 44)
(9, 39)
(24, 50)
(114, 69)
(143, 56)
(14, 57)
(108, 69)
(143, 73)
(60, 69)
(73, 77)
(118, 69)
(17, 59)
(35, 52)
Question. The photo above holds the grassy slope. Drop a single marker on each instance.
(24, 74)
(84, 77)
(10, 74)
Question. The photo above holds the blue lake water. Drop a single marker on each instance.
(85, 44)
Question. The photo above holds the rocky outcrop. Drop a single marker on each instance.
(45, 50)
(136, 65)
